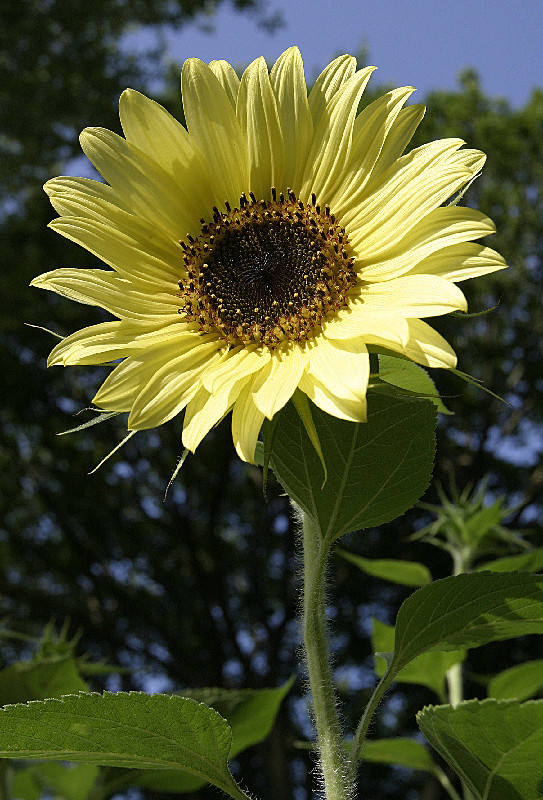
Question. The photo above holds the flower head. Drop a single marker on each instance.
(264, 247)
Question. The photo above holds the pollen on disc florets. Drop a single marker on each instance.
(266, 271)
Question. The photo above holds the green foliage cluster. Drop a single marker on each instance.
(200, 591)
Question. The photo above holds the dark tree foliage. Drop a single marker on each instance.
(202, 589)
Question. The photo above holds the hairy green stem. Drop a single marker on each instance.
(337, 784)
(363, 725)
(455, 682)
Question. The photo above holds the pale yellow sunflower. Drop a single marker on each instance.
(261, 249)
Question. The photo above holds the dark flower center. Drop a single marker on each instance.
(266, 271)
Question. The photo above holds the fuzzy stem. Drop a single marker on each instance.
(455, 684)
(363, 725)
(332, 757)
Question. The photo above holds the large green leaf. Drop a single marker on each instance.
(406, 573)
(250, 714)
(427, 669)
(520, 682)
(376, 470)
(411, 378)
(25, 785)
(38, 680)
(401, 752)
(124, 730)
(495, 746)
(525, 562)
(467, 611)
(69, 782)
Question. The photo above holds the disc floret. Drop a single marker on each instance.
(266, 271)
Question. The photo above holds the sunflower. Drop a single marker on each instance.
(261, 249)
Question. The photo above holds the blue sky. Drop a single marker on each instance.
(424, 43)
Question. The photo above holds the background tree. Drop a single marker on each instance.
(201, 589)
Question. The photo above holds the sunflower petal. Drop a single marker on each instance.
(71, 197)
(360, 321)
(109, 341)
(205, 410)
(227, 77)
(126, 381)
(247, 421)
(442, 228)
(343, 367)
(259, 120)
(399, 137)
(371, 129)
(172, 387)
(274, 385)
(242, 361)
(327, 84)
(415, 296)
(212, 124)
(150, 128)
(149, 190)
(288, 83)
(332, 140)
(351, 409)
(427, 347)
(131, 256)
(460, 262)
(96, 287)
(388, 215)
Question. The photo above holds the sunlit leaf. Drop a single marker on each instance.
(41, 679)
(467, 611)
(249, 713)
(520, 682)
(406, 573)
(427, 669)
(409, 376)
(494, 746)
(376, 470)
(525, 562)
(401, 751)
(124, 730)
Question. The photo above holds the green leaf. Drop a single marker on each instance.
(520, 682)
(71, 782)
(409, 376)
(525, 562)
(479, 524)
(427, 669)
(117, 447)
(467, 610)
(177, 470)
(494, 746)
(25, 786)
(123, 730)
(250, 714)
(406, 573)
(475, 382)
(376, 470)
(96, 421)
(402, 752)
(303, 407)
(268, 435)
(38, 680)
